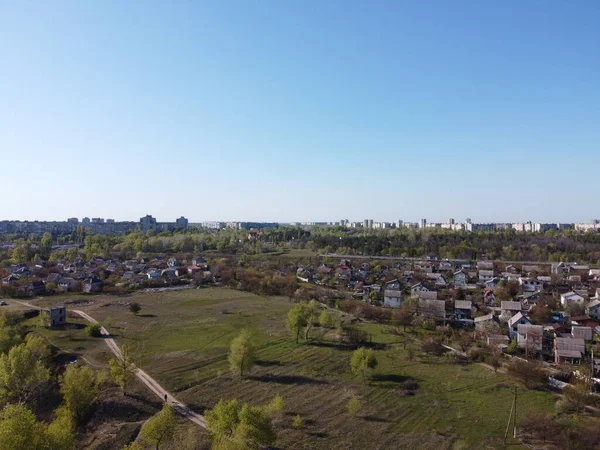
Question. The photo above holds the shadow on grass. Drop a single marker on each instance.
(287, 379)
(388, 378)
(155, 404)
(375, 419)
(347, 346)
(146, 315)
(318, 435)
(264, 363)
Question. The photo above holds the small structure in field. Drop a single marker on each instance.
(58, 316)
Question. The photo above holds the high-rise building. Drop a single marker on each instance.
(422, 223)
(366, 223)
(370, 223)
(147, 223)
(450, 221)
(181, 223)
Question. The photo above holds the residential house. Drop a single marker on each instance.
(509, 309)
(67, 283)
(569, 298)
(594, 273)
(460, 279)
(584, 333)
(492, 284)
(168, 274)
(489, 298)
(486, 321)
(416, 288)
(560, 268)
(153, 274)
(392, 298)
(530, 284)
(485, 275)
(430, 308)
(426, 267)
(93, 285)
(197, 261)
(530, 268)
(462, 309)
(172, 263)
(497, 341)
(58, 316)
(36, 288)
(514, 322)
(593, 309)
(511, 269)
(574, 278)
(438, 279)
(510, 276)
(530, 337)
(485, 265)
(445, 266)
(568, 350)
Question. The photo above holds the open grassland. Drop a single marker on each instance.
(182, 339)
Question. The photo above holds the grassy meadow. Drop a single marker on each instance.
(182, 339)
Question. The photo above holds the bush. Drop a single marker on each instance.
(298, 422)
(478, 354)
(135, 308)
(410, 385)
(353, 406)
(428, 325)
(94, 330)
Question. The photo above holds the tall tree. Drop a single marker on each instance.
(23, 370)
(362, 360)
(79, 388)
(241, 354)
(19, 429)
(160, 429)
(297, 319)
(123, 369)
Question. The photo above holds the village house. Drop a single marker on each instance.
(485, 265)
(530, 338)
(593, 309)
(496, 341)
(584, 333)
(58, 316)
(509, 309)
(36, 288)
(530, 269)
(460, 279)
(434, 309)
(530, 284)
(438, 279)
(568, 350)
(484, 322)
(485, 275)
(392, 294)
(93, 285)
(417, 288)
(462, 309)
(569, 298)
(445, 266)
(514, 322)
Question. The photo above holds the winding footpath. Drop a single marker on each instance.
(150, 382)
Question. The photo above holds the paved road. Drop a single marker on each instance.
(150, 382)
(408, 258)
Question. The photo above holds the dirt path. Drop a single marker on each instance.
(150, 382)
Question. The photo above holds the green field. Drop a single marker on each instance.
(182, 339)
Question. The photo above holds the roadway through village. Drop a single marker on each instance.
(150, 382)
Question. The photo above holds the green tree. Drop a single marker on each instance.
(241, 354)
(312, 310)
(133, 446)
(23, 370)
(362, 360)
(135, 308)
(123, 369)
(19, 429)
(326, 319)
(94, 330)
(160, 429)
(297, 319)
(235, 427)
(353, 406)
(60, 433)
(79, 388)
(277, 405)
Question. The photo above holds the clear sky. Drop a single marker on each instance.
(300, 110)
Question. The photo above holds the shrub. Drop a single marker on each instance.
(298, 422)
(410, 385)
(94, 330)
(353, 406)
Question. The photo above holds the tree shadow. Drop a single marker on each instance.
(389, 378)
(264, 363)
(146, 315)
(318, 435)
(287, 379)
(375, 419)
(336, 345)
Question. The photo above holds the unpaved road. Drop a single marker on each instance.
(150, 382)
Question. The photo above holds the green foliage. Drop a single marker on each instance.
(326, 319)
(60, 433)
(94, 330)
(297, 318)
(122, 369)
(362, 360)
(23, 370)
(160, 429)
(276, 407)
(19, 429)
(298, 422)
(241, 354)
(529, 372)
(235, 427)
(353, 406)
(79, 388)
(135, 308)
(513, 347)
(133, 446)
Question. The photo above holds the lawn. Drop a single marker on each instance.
(182, 339)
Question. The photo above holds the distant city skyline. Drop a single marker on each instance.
(300, 111)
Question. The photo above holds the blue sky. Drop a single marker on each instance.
(300, 110)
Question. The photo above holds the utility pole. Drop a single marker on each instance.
(515, 419)
(512, 418)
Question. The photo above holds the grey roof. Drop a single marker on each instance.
(584, 333)
(569, 344)
(484, 318)
(530, 329)
(568, 353)
(594, 304)
(510, 306)
(514, 319)
(463, 304)
(392, 293)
